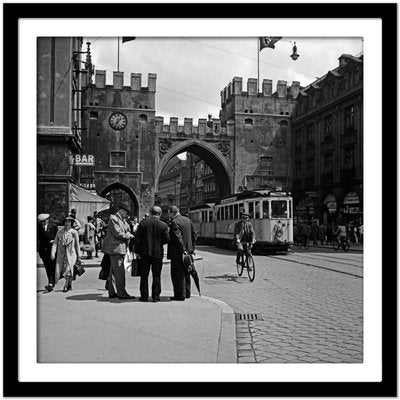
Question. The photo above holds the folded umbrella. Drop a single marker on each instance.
(188, 261)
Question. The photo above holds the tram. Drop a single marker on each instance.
(271, 214)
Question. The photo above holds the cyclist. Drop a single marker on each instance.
(244, 232)
(340, 233)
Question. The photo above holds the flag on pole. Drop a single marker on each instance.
(127, 39)
(269, 41)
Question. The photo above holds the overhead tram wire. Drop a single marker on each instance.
(249, 58)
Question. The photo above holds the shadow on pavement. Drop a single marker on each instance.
(105, 298)
(227, 277)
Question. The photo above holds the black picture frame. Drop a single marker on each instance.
(13, 387)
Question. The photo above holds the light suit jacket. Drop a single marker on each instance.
(117, 237)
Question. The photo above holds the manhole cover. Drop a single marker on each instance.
(248, 317)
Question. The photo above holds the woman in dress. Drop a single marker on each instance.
(66, 244)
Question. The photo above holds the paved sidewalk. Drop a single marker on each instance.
(84, 325)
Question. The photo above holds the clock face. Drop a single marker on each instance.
(118, 121)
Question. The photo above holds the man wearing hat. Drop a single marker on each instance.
(182, 239)
(46, 233)
(151, 236)
(244, 232)
(116, 244)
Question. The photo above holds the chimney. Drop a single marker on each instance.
(136, 81)
(252, 86)
(237, 85)
(118, 80)
(267, 87)
(282, 88)
(100, 79)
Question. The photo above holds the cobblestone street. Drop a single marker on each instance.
(305, 313)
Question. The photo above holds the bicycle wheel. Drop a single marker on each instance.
(346, 246)
(251, 267)
(335, 245)
(239, 267)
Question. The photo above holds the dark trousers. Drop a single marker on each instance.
(50, 267)
(117, 271)
(156, 265)
(180, 278)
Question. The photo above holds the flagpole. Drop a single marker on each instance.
(258, 65)
(118, 56)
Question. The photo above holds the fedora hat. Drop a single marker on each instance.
(125, 206)
(43, 217)
(244, 215)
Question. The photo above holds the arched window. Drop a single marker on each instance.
(248, 121)
(143, 118)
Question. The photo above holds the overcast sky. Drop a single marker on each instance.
(192, 71)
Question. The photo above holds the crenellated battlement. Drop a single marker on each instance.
(204, 128)
(283, 91)
(118, 81)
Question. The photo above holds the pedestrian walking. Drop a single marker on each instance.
(182, 239)
(66, 247)
(314, 233)
(99, 225)
(151, 236)
(90, 237)
(116, 245)
(329, 233)
(46, 233)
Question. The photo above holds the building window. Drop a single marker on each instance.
(117, 159)
(248, 121)
(349, 117)
(310, 167)
(143, 118)
(349, 157)
(310, 133)
(328, 126)
(298, 137)
(265, 163)
(94, 115)
(328, 162)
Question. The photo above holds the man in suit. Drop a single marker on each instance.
(244, 232)
(46, 233)
(116, 244)
(151, 236)
(182, 239)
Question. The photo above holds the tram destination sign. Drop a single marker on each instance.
(84, 160)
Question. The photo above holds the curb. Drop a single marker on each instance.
(227, 352)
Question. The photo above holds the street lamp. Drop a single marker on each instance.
(295, 56)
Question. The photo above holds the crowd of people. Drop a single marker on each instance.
(305, 233)
(61, 249)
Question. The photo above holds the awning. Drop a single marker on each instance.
(86, 203)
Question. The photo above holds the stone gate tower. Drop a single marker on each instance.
(119, 132)
(261, 131)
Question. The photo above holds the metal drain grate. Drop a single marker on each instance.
(248, 317)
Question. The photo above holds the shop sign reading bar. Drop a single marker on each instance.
(228, 200)
(84, 160)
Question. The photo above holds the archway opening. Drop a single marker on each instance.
(118, 193)
(199, 178)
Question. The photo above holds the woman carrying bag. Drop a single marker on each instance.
(66, 245)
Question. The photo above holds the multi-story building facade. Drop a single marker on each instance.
(327, 148)
(59, 82)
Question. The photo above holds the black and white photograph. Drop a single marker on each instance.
(199, 201)
(260, 196)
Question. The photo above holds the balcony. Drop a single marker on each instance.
(327, 178)
(347, 174)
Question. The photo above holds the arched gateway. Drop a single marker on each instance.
(222, 169)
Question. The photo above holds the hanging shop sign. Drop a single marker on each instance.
(84, 160)
(332, 206)
(312, 194)
(351, 198)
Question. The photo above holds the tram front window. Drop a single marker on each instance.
(279, 209)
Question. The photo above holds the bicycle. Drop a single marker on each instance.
(342, 243)
(247, 262)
